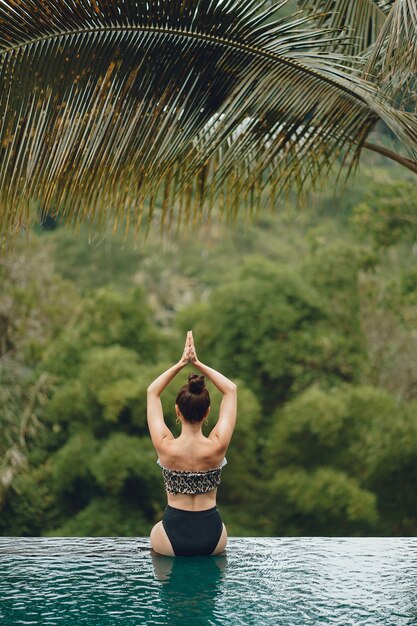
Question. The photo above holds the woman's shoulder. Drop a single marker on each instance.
(201, 458)
(178, 467)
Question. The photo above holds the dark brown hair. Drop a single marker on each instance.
(193, 399)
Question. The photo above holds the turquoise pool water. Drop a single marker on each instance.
(269, 581)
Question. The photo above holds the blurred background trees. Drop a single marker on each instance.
(312, 312)
(311, 307)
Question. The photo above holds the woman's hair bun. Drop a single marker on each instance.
(196, 383)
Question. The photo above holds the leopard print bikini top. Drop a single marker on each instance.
(184, 481)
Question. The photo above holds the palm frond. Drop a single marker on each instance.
(359, 23)
(393, 57)
(131, 107)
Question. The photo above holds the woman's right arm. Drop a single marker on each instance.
(159, 431)
(223, 430)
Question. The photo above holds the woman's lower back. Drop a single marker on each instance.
(193, 502)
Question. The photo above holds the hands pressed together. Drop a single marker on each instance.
(189, 354)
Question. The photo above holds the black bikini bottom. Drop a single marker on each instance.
(192, 533)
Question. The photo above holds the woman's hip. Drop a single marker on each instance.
(193, 533)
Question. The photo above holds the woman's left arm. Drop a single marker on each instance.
(156, 423)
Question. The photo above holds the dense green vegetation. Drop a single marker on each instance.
(313, 312)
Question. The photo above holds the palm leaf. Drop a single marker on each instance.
(393, 57)
(383, 32)
(127, 108)
(361, 21)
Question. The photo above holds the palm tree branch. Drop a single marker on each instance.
(102, 118)
(363, 20)
(411, 165)
(395, 49)
(202, 37)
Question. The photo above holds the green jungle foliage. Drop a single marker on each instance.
(312, 312)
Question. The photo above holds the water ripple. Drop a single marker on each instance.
(291, 581)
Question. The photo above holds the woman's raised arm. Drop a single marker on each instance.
(223, 430)
(156, 423)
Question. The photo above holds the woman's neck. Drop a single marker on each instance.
(190, 430)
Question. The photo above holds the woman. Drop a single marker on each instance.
(191, 463)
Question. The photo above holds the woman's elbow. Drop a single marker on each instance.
(232, 387)
(151, 391)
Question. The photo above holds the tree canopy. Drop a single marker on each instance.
(314, 317)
